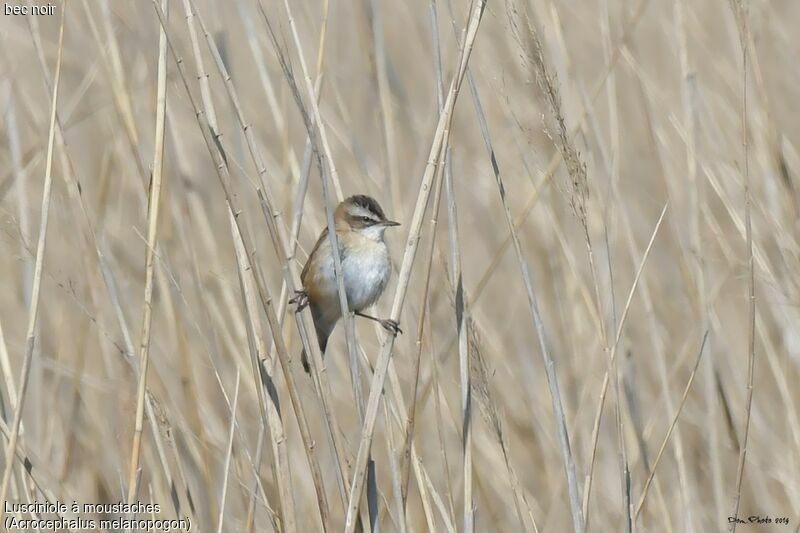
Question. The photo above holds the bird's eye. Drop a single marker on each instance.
(365, 219)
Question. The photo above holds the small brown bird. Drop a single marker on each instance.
(366, 267)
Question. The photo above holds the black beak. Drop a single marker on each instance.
(390, 223)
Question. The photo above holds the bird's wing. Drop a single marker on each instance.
(320, 240)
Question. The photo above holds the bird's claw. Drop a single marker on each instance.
(300, 300)
(392, 326)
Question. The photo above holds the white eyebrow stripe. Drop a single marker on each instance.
(359, 211)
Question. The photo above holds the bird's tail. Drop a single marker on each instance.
(323, 343)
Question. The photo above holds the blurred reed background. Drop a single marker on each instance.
(610, 134)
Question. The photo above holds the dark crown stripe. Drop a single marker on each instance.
(369, 204)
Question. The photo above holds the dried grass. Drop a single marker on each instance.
(145, 350)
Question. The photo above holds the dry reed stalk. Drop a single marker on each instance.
(6, 408)
(316, 116)
(437, 405)
(740, 12)
(463, 319)
(578, 199)
(347, 317)
(658, 348)
(304, 319)
(155, 410)
(394, 470)
(482, 383)
(154, 201)
(400, 413)
(266, 301)
(449, 525)
(488, 407)
(547, 175)
(399, 403)
(303, 174)
(420, 473)
(112, 64)
(382, 366)
(269, 410)
(671, 426)
(186, 495)
(557, 157)
(688, 99)
(228, 456)
(384, 97)
(121, 85)
(423, 493)
(77, 198)
(275, 109)
(469, 329)
(188, 377)
(40, 479)
(424, 311)
(409, 454)
(166, 284)
(8, 378)
(549, 363)
(20, 185)
(315, 119)
(399, 410)
(610, 158)
(659, 341)
(613, 353)
(460, 307)
(33, 312)
(578, 191)
(80, 207)
(624, 463)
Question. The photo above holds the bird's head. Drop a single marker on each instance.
(362, 214)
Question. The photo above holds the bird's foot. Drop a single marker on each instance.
(300, 300)
(392, 326)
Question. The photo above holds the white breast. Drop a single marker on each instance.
(366, 272)
(366, 267)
